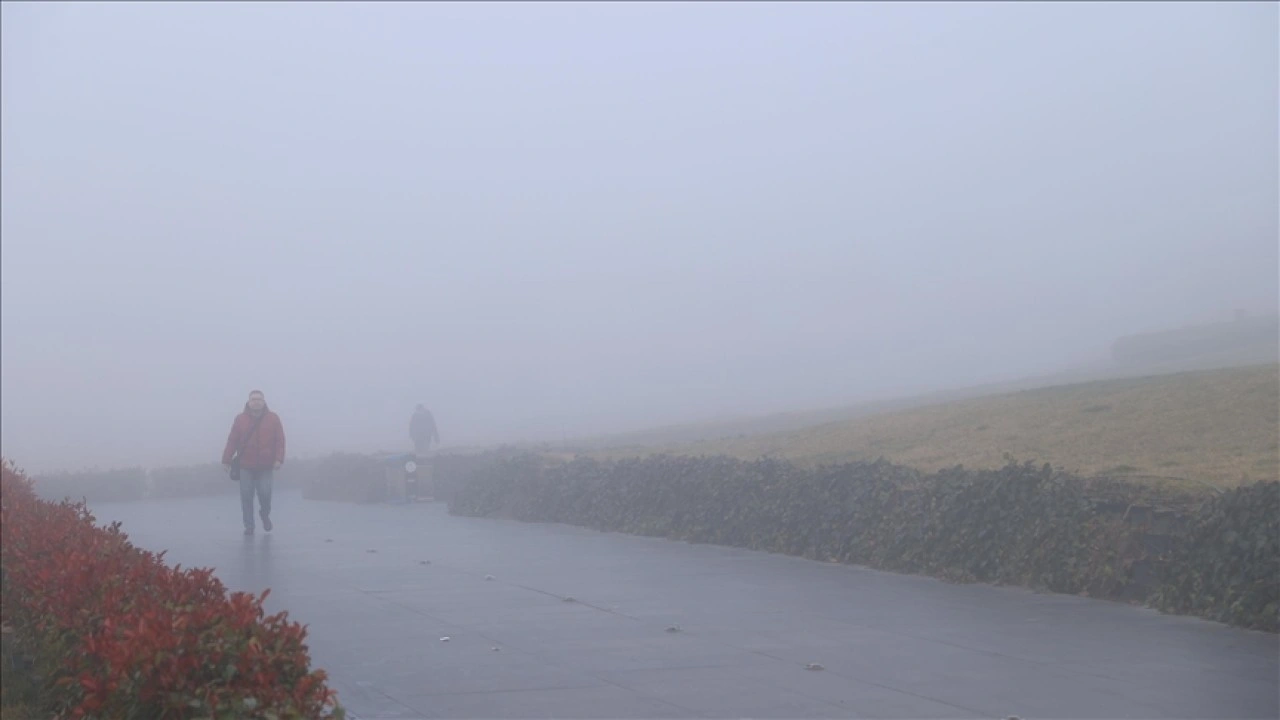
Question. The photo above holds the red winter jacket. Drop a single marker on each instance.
(264, 449)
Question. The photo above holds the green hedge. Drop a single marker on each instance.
(1021, 525)
(360, 478)
(1226, 567)
(346, 477)
(451, 472)
(177, 481)
(93, 485)
(190, 481)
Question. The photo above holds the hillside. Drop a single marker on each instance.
(1219, 427)
(1243, 343)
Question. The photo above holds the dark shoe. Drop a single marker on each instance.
(266, 523)
(248, 531)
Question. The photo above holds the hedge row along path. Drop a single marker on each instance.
(581, 619)
(98, 628)
(1024, 525)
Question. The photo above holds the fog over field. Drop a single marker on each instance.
(544, 221)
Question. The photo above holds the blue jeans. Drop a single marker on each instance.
(254, 481)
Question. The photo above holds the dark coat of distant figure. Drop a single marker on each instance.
(422, 429)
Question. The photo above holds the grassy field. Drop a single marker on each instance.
(1217, 427)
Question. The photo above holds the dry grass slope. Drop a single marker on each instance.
(1219, 427)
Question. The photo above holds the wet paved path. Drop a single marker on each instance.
(381, 585)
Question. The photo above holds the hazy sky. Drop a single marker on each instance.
(580, 217)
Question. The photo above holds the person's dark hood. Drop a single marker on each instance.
(265, 408)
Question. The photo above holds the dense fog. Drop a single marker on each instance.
(544, 221)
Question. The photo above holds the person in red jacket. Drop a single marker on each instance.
(255, 450)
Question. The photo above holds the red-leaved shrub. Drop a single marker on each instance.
(110, 631)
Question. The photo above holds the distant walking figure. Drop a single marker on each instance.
(255, 450)
(422, 429)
